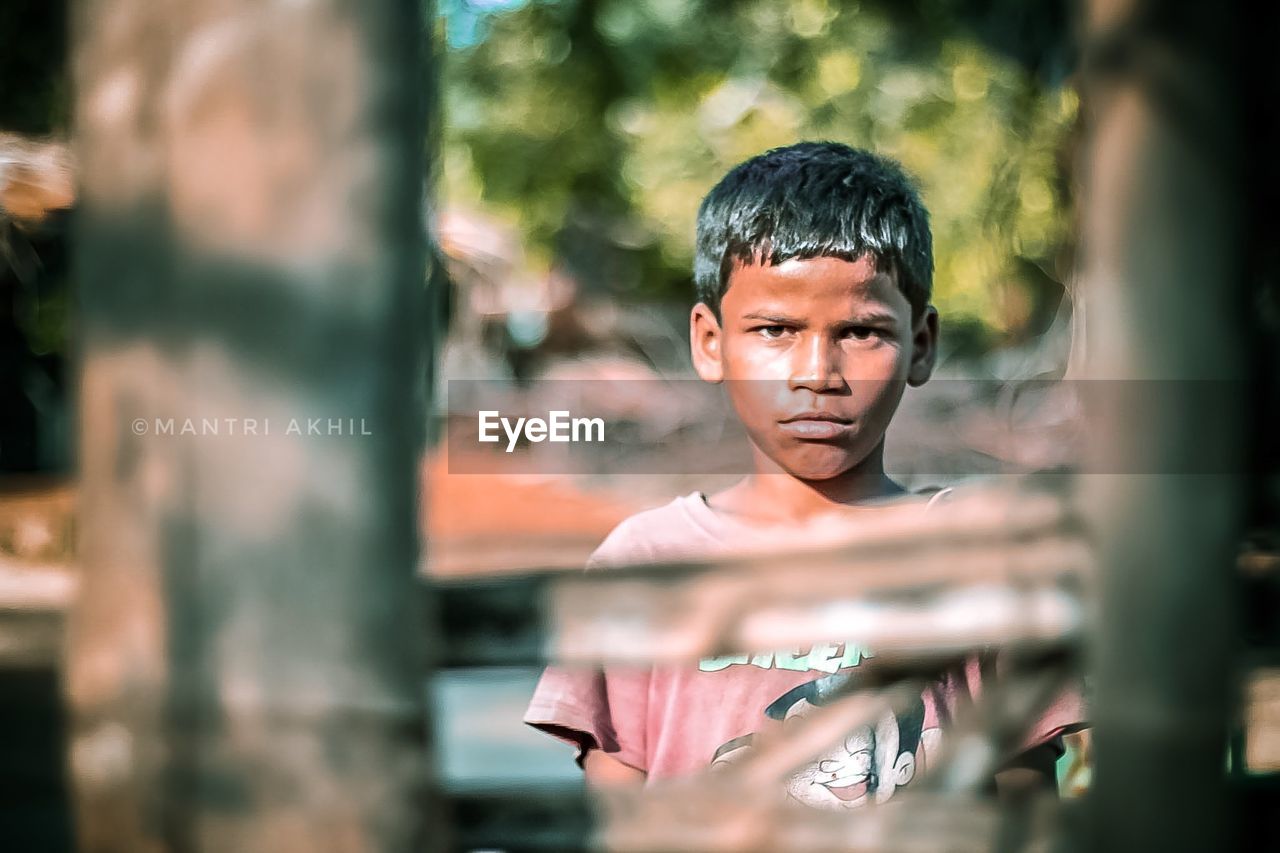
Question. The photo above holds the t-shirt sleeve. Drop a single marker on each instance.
(598, 707)
(594, 708)
(1066, 714)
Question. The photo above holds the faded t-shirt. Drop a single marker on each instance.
(677, 720)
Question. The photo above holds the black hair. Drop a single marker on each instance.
(818, 693)
(910, 727)
(809, 200)
(730, 745)
(823, 691)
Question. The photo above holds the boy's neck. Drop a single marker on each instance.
(771, 495)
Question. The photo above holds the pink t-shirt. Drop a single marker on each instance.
(677, 720)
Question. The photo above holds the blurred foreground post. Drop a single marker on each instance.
(1167, 303)
(245, 658)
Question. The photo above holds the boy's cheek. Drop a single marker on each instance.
(877, 365)
(759, 401)
(746, 359)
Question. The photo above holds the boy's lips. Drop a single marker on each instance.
(816, 425)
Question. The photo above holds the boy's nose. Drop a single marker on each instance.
(817, 366)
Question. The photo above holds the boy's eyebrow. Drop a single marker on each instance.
(873, 317)
(858, 317)
(772, 318)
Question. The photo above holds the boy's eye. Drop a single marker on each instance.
(862, 333)
(772, 332)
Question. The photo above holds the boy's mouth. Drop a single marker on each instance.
(816, 425)
(849, 791)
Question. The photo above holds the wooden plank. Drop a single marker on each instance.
(1163, 241)
(246, 651)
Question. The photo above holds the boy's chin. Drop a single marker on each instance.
(817, 463)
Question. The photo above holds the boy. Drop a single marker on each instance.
(814, 271)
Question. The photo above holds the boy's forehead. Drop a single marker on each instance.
(799, 281)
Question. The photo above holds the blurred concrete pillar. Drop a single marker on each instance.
(245, 662)
(1163, 275)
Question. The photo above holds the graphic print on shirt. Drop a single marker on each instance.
(868, 766)
(824, 657)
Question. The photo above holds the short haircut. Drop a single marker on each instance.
(810, 200)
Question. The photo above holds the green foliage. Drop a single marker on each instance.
(607, 120)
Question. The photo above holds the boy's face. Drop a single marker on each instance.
(815, 355)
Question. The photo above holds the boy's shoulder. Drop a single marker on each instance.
(683, 528)
(687, 528)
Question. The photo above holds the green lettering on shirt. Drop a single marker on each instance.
(825, 657)
(716, 664)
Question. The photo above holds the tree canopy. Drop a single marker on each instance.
(596, 126)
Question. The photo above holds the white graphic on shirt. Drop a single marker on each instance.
(867, 766)
(825, 657)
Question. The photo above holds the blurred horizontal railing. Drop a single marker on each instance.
(1005, 566)
(997, 566)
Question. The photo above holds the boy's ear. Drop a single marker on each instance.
(924, 349)
(705, 341)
